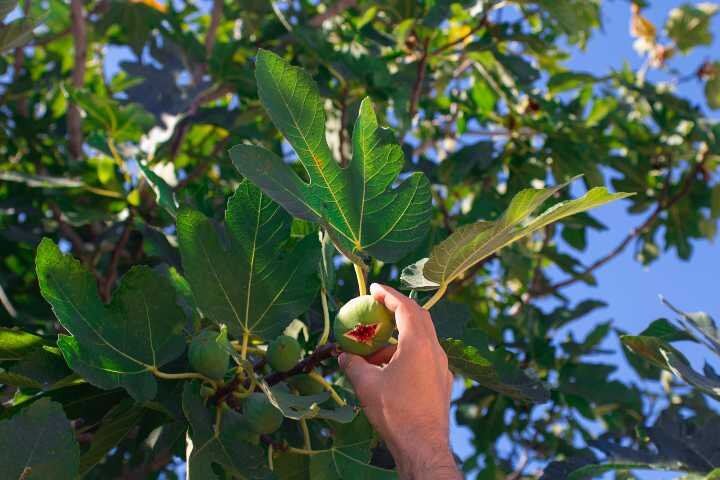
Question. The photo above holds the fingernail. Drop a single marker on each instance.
(373, 286)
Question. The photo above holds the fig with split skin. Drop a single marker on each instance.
(209, 353)
(283, 353)
(363, 326)
(261, 415)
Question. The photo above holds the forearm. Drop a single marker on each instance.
(434, 463)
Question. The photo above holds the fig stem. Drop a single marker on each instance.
(238, 347)
(362, 288)
(304, 451)
(244, 348)
(218, 419)
(326, 318)
(329, 388)
(435, 298)
(181, 376)
(306, 434)
(270, 457)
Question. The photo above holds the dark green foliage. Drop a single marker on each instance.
(177, 179)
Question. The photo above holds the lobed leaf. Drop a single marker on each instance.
(247, 281)
(113, 345)
(358, 205)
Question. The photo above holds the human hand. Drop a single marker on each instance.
(408, 399)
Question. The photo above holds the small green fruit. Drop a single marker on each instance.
(283, 353)
(305, 385)
(261, 415)
(209, 353)
(363, 325)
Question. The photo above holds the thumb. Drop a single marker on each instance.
(360, 372)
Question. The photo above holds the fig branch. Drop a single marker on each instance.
(307, 364)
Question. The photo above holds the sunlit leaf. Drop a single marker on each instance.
(247, 279)
(364, 214)
(472, 243)
(117, 344)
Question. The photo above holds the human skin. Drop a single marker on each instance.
(405, 389)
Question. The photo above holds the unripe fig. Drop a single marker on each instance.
(283, 353)
(209, 353)
(261, 415)
(305, 385)
(363, 325)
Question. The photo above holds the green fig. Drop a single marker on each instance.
(261, 415)
(209, 353)
(363, 326)
(305, 385)
(283, 353)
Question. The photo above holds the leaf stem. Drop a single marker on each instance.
(436, 297)
(326, 318)
(244, 348)
(304, 451)
(271, 466)
(180, 376)
(306, 434)
(362, 288)
(329, 388)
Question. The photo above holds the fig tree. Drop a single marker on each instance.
(363, 325)
(261, 415)
(283, 353)
(305, 385)
(209, 353)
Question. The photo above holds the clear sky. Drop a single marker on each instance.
(630, 289)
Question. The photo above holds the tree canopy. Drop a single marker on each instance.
(169, 169)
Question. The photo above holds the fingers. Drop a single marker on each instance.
(391, 297)
(384, 355)
(361, 374)
(410, 318)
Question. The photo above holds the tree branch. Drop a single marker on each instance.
(22, 101)
(419, 79)
(215, 15)
(79, 33)
(112, 272)
(307, 364)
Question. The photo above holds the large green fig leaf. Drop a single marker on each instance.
(38, 442)
(472, 243)
(248, 282)
(119, 344)
(229, 447)
(357, 204)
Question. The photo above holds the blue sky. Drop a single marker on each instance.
(630, 289)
